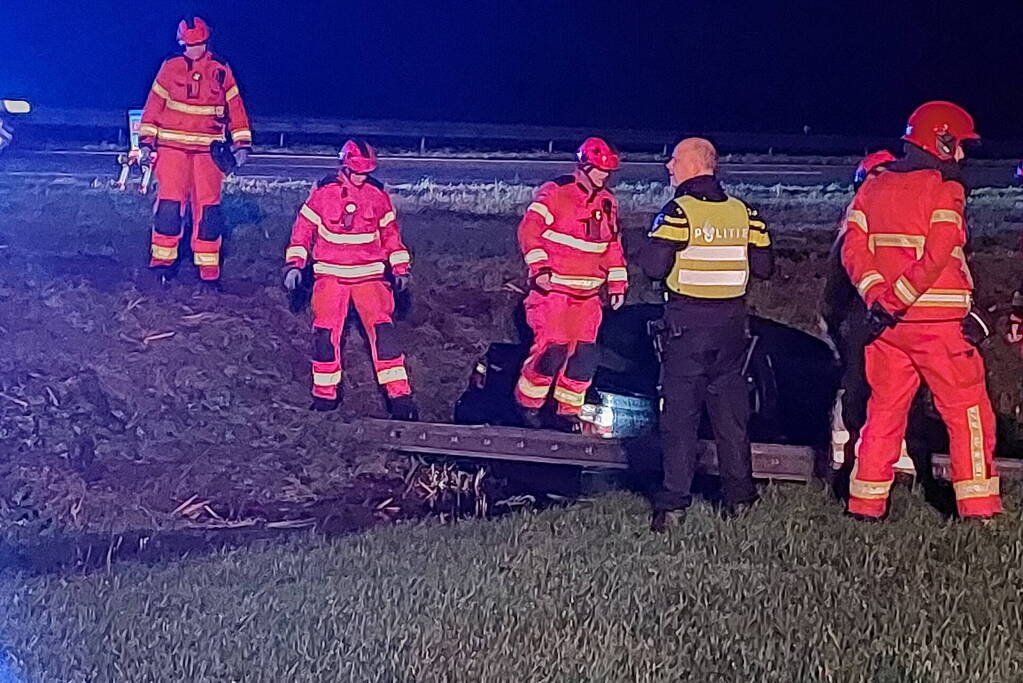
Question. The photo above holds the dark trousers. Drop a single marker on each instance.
(704, 366)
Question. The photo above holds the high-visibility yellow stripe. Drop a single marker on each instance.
(665, 219)
(574, 242)
(535, 256)
(327, 379)
(977, 488)
(399, 257)
(232, 93)
(296, 253)
(617, 275)
(757, 225)
(698, 252)
(387, 219)
(857, 218)
(241, 135)
(184, 107)
(759, 239)
(569, 397)
(868, 490)
(310, 215)
(905, 291)
(577, 282)
(976, 442)
(346, 238)
(947, 216)
(671, 233)
(368, 270)
(206, 259)
(188, 138)
(945, 299)
(392, 375)
(915, 242)
(534, 391)
(148, 129)
(161, 253)
(718, 278)
(869, 280)
(545, 213)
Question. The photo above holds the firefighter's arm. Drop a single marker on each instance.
(857, 257)
(303, 232)
(152, 112)
(668, 234)
(539, 217)
(241, 132)
(398, 256)
(947, 231)
(761, 255)
(614, 261)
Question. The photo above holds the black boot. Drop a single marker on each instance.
(324, 405)
(404, 408)
(662, 520)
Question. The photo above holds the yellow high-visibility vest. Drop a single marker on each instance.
(714, 264)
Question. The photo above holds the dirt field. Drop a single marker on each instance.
(122, 408)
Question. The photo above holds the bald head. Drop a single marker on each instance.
(692, 157)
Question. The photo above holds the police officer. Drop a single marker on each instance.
(703, 246)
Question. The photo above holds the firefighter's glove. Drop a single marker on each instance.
(976, 329)
(879, 320)
(293, 279)
(617, 301)
(241, 156)
(145, 155)
(401, 283)
(1015, 333)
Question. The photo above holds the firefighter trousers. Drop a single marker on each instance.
(374, 304)
(703, 367)
(564, 352)
(953, 369)
(188, 178)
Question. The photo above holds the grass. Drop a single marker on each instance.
(791, 592)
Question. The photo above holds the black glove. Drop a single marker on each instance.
(223, 157)
(975, 328)
(401, 283)
(879, 320)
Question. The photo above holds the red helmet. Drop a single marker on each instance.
(939, 128)
(597, 153)
(193, 31)
(870, 163)
(358, 157)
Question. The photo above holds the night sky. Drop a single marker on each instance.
(851, 68)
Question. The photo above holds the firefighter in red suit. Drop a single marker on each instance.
(193, 104)
(904, 251)
(347, 230)
(571, 244)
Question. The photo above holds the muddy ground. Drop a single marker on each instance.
(127, 408)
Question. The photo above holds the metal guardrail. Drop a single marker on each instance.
(280, 130)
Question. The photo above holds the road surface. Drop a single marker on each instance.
(400, 170)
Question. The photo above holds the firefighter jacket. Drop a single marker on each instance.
(704, 245)
(191, 105)
(904, 244)
(349, 231)
(571, 232)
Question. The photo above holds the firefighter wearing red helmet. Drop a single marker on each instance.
(192, 107)
(572, 248)
(904, 251)
(348, 233)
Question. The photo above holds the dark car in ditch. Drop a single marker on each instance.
(793, 379)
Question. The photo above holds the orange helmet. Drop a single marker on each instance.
(597, 153)
(193, 31)
(939, 128)
(358, 157)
